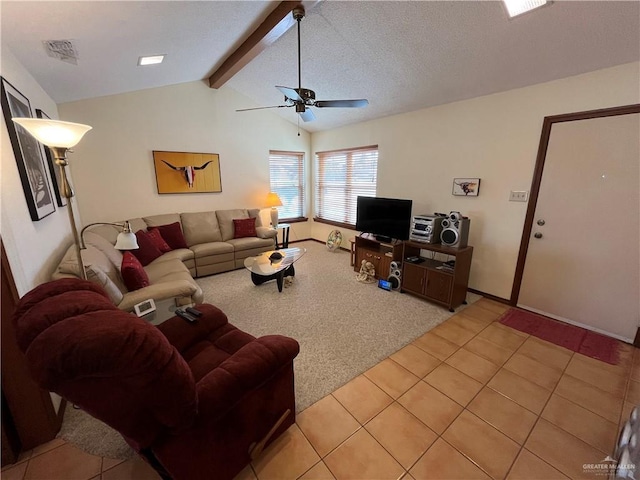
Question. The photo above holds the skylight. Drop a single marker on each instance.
(150, 60)
(518, 7)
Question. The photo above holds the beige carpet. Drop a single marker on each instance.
(344, 327)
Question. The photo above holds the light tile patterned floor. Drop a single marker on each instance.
(470, 399)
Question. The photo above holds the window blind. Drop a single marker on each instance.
(286, 173)
(342, 176)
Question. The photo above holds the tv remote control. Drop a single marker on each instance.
(187, 316)
(194, 312)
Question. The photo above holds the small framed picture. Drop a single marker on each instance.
(466, 187)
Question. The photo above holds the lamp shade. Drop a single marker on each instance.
(126, 241)
(273, 200)
(53, 133)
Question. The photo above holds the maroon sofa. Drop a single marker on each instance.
(193, 399)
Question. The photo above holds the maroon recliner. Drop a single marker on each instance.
(196, 400)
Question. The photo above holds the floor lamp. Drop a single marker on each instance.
(59, 137)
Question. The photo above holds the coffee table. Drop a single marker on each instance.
(263, 269)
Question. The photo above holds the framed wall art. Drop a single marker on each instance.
(183, 172)
(466, 187)
(54, 170)
(28, 153)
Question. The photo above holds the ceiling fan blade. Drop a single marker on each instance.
(307, 115)
(290, 93)
(342, 103)
(262, 108)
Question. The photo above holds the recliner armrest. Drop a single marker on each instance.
(182, 334)
(247, 369)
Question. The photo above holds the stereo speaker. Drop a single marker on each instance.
(395, 273)
(455, 230)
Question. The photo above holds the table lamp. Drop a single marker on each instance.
(273, 201)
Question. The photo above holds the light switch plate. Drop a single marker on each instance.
(518, 196)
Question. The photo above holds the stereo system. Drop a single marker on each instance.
(426, 228)
(395, 274)
(451, 230)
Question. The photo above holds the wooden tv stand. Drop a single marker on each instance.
(429, 280)
(380, 254)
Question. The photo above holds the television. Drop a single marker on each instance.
(385, 218)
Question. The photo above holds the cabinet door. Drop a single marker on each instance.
(384, 266)
(439, 286)
(413, 278)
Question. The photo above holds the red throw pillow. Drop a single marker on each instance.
(133, 274)
(147, 251)
(156, 237)
(172, 234)
(244, 227)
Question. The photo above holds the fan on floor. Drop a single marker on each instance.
(303, 98)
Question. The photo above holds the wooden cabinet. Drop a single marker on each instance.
(429, 277)
(380, 254)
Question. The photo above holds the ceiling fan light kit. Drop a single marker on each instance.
(301, 98)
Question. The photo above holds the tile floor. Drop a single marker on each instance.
(471, 399)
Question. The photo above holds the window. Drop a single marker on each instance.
(341, 176)
(286, 171)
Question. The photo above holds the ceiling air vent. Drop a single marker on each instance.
(61, 49)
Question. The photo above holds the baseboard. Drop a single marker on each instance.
(491, 297)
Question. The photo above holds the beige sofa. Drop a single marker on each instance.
(211, 249)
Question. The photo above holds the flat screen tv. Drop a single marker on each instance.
(385, 218)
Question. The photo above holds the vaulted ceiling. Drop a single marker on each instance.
(401, 55)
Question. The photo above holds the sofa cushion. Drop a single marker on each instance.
(212, 248)
(200, 227)
(249, 243)
(244, 227)
(255, 213)
(91, 256)
(156, 237)
(225, 220)
(172, 234)
(133, 274)
(97, 276)
(183, 254)
(159, 272)
(102, 244)
(159, 220)
(147, 251)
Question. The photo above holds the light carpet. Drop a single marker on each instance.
(344, 327)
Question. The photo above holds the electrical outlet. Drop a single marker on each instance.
(518, 196)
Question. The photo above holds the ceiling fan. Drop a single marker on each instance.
(303, 98)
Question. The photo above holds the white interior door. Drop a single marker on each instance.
(583, 261)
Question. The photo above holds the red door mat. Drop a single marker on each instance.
(574, 338)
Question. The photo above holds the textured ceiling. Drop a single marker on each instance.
(401, 55)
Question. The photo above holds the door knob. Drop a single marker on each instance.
(541, 222)
(537, 235)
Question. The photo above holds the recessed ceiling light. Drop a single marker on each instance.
(518, 7)
(150, 60)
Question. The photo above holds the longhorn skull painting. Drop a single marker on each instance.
(178, 172)
(468, 187)
(189, 171)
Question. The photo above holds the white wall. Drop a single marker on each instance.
(113, 165)
(493, 137)
(33, 248)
